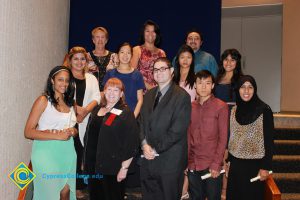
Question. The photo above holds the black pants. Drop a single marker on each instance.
(209, 188)
(79, 151)
(133, 176)
(106, 188)
(239, 185)
(95, 187)
(161, 186)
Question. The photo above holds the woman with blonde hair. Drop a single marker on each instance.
(87, 96)
(101, 60)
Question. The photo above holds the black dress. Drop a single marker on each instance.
(101, 63)
(109, 141)
(89, 158)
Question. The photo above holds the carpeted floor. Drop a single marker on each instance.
(286, 162)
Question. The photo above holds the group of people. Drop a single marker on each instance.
(134, 117)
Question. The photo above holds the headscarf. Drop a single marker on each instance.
(248, 112)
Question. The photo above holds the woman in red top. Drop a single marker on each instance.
(147, 52)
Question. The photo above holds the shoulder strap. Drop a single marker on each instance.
(96, 61)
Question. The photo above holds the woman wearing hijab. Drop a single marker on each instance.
(250, 144)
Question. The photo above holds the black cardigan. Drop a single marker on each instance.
(117, 142)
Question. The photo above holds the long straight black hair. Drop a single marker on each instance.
(190, 79)
(68, 95)
(237, 72)
(157, 41)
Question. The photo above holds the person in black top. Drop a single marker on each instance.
(111, 142)
(87, 96)
(251, 143)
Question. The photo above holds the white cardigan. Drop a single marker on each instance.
(91, 93)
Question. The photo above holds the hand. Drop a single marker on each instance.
(263, 174)
(148, 86)
(92, 68)
(122, 174)
(114, 62)
(71, 131)
(148, 152)
(61, 135)
(185, 171)
(214, 173)
(82, 111)
(79, 118)
(226, 168)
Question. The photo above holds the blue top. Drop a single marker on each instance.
(132, 81)
(225, 92)
(204, 60)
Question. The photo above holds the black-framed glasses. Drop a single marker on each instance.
(162, 69)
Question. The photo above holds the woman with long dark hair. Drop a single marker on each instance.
(250, 147)
(184, 75)
(147, 52)
(229, 72)
(131, 78)
(51, 125)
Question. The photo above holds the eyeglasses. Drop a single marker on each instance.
(162, 69)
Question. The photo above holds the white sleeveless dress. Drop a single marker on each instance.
(54, 161)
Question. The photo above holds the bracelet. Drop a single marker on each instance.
(124, 168)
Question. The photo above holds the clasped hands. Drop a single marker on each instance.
(148, 152)
(64, 134)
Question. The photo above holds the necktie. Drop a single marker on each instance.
(157, 99)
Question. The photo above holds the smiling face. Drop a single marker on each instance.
(246, 91)
(162, 73)
(229, 64)
(61, 82)
(194, 41)
(125, 54)
(185, 59)
(78, 62)
(112, 94)
(100, 39)
(149, 34)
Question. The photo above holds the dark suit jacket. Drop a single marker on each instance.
(165, 128)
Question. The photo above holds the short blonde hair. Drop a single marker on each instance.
(100, 28)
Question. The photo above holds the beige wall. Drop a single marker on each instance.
(290, 96)
(33, 39)
(234, 3)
